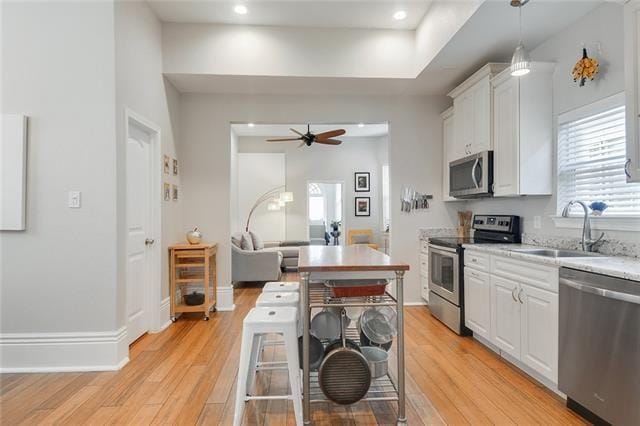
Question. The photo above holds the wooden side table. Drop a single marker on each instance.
(189, 265)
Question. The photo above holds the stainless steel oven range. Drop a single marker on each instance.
(446, 266)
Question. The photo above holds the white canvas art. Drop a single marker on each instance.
(13, 172)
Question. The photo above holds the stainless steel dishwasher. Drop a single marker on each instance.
(599, 357)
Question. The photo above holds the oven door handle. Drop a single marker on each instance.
(609, 294)
(473, 172)
(442, 250)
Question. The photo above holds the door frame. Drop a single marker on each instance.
(153, 294)
(344, 212)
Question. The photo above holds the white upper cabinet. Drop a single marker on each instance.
(448, 154)
(472, 112)
(632, 87)
(523, 132)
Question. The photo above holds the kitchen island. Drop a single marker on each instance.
(320, 263)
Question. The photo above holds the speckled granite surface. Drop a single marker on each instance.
(425, 233)
(608, 247)
(618, 266)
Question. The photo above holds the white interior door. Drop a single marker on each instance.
(138, 227)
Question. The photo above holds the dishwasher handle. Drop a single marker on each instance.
(609, 294)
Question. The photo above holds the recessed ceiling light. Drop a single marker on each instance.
(360, 124)
(251, 125)
(400, 15)
(241, 9)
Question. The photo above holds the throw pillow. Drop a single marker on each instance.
(236, 239)
(360, 239)
(258, 244)
(247, 242)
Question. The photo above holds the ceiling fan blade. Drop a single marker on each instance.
(330, 134)
(295, 131)
(329, 141)
(283, 139)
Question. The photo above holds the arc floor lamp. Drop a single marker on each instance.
(275, 203)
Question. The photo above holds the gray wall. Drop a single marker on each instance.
(604, 25)
(415, 155)
(321, 162)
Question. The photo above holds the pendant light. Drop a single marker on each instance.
(520, 62)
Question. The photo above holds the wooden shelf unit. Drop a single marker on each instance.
(190, 264)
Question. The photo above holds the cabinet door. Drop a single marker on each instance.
(477, 302)
(505, 138)
(505, 316)
(539, 325)
(463, 125)
(481, 113)
(632, 86)
(447, 151)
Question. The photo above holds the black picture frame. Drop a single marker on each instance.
(362, 181)
(362, 206)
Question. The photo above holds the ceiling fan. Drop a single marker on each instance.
(309, 138)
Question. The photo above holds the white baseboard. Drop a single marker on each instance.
(164, 313)
(63, 352)
(415, 304)
(225, 299)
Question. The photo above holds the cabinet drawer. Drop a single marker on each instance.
(541, 276)
(476, 260)
(424, 264)
(424, 246)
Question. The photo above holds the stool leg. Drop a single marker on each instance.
(291, 348)
(256, 354)
(243, 370)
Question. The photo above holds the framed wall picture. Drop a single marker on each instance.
(175, 167)
(362, 182)
(167, 192)
(363, 206)
(166, 164)
(174, 192)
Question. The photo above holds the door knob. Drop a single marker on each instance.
(149, 241)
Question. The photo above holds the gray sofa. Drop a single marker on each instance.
(265, 264)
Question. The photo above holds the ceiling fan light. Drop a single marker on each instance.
(520, 62)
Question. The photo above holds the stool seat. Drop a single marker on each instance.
(281, 286)
(278, 299)
(271, 316)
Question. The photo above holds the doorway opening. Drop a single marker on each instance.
(325, 212)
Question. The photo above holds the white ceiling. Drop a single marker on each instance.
(282, 130)
(307, 13)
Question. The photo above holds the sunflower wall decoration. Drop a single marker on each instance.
(585, 68)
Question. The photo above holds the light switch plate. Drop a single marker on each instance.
(537, 222)
(74, 199)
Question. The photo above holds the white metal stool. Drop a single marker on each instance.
(269, 320)
(281, 286)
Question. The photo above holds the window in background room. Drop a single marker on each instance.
(316, 203)
(591, 158)
(386, 206)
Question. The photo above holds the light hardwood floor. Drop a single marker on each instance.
(186, 375)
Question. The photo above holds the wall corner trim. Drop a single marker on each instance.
(63, 352)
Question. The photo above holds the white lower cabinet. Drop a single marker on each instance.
(539, 330)
(517, 314)
(477, 309)
(505, 316)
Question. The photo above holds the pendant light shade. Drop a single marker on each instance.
(520, 62)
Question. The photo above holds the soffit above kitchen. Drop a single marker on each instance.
(215, 53)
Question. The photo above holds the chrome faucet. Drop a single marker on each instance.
(587, 242)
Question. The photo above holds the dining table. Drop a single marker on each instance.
(318, 265)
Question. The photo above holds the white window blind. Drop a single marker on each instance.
(591, 157)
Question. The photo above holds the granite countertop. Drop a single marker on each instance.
(615, 266)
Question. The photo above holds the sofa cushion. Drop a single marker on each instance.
(286, 251)
(258, 244)
(236, 239)
(360, 239)
(247, 241)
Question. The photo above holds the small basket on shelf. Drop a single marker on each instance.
(357, 288)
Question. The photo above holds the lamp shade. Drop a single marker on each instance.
(273, 206)
(520, 62)
(287, 197)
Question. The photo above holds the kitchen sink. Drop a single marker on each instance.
(558, 253)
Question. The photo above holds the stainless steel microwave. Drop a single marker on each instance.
(472, 176)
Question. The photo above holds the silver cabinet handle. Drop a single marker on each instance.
(149, 241)
(609, 294)
(626, 167)
(513, 294)
(520, 296)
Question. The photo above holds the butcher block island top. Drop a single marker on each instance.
(351, 258)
